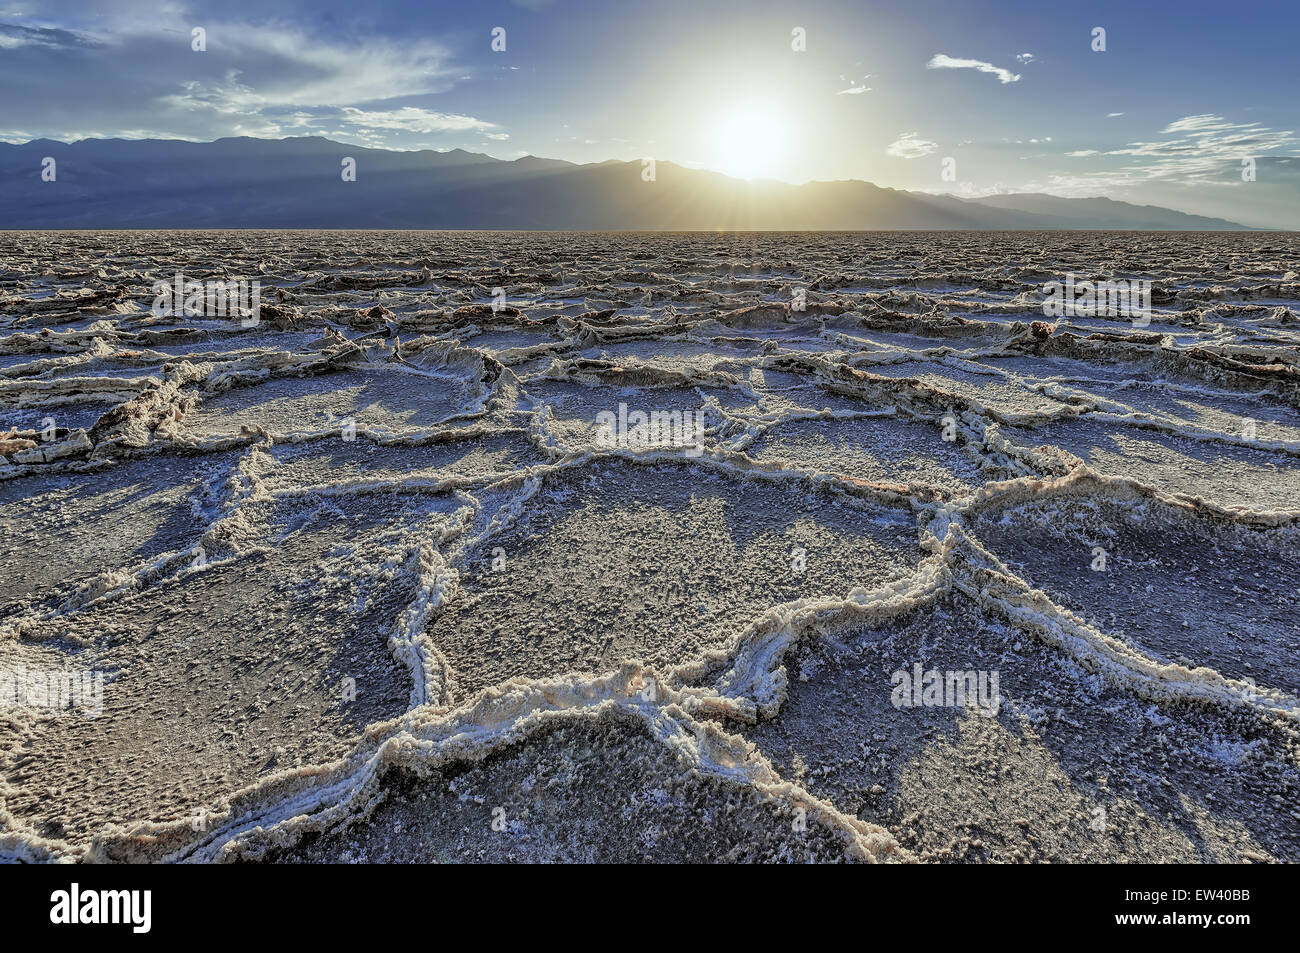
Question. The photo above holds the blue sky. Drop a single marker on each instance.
(1011, 92)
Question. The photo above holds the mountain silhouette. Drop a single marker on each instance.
(297, 183)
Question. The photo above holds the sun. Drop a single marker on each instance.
(750, 141)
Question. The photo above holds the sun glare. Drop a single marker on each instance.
(750, 141)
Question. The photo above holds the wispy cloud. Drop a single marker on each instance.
(1206, 138)
(944, 61)
(909, 146)
(1205, 122)
(855, 86)
(416, 120)
(1203, 149)
(136, 73)
(13, 36)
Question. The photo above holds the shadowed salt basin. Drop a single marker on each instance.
(694, 548)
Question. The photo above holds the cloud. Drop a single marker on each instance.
(1025, 58)
(1204, 149)
(855, 87)
(288, 68)
(1209, 143)
(135, 72)
(1205, 122)
(944, 61)
(1113, 115)
(412, 119)
(908, 146)
(13, 36)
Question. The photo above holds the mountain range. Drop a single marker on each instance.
(297, 183)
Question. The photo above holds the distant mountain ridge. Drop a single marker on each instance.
(296, 183)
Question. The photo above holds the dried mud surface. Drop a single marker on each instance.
(365, 583)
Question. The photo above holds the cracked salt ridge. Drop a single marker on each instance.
(500, 343)
(155, 505)
(655, 352)
(752, 674)
(1186, 406)
(248, 659)
(252, 342)
(873, 449)
(1230, 473)
(330, 464)
(1004, 394)
(572, 408)
(589, 792)
(593, 579)
(300, 404)
(1180, 588)
(1172, 782)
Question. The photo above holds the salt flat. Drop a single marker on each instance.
(394, 573)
